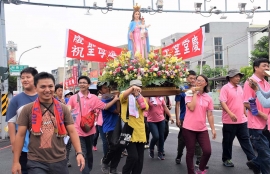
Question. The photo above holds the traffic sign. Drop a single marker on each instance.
(15, 70)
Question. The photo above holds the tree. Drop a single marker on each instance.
(261, 51)
(213, 72)
(12, 84)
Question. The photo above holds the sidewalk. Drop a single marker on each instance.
(4, 143)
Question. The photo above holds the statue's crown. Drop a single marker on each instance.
(137, 7)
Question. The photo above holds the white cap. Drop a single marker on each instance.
(67, 92)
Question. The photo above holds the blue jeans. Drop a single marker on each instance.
(157, 130)
(230, 131)
(261, 144)
(104, 140)
(87, 145)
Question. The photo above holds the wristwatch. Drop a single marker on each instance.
(77, 153)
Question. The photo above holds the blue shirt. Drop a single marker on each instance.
(14, 109)
(181, 98)
(109, 118)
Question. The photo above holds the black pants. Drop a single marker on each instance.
(166, 132)
(23, 162)
(230, 131)
(68, 147)
(96, 136)
(147, 131)
(36, 167)
(113, 155)
(134, 162)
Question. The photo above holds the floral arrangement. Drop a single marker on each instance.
(157, 70)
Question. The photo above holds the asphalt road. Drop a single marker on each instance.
(156, 166)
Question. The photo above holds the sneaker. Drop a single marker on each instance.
(201, 172)
(146, 146)
(253, 167)
(197, 164)
(68, 164)
(178, 160)
(151, 153)
(228, 163)
(161, 156)
(105, 168)
(95, 148)
(163, 153)
(114, 171)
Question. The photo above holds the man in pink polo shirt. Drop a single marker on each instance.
(89, 102)
(256, 123)
(233, 118)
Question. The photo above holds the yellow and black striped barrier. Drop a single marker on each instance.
(4, 104)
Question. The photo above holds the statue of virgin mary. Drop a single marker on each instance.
(137, 42)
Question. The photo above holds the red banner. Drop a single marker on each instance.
(188, 46)
(84, 48)
(70, 82)
(75, 74)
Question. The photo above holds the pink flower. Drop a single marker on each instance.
(159, 73)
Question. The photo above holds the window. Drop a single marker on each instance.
(218, 51)
(163, 44)
(203, 63)
(187, 64)
(173, 40)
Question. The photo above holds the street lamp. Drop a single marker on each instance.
(25, 52)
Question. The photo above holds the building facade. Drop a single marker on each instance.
(227, 44)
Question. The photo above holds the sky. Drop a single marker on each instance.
(30, 26)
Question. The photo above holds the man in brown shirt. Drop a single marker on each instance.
(48, 122)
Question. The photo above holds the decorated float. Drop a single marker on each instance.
(160, 75)
(161, 71)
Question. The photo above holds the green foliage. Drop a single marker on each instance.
(261, 49)
(12, 84)
(247, 71)
(213, 72)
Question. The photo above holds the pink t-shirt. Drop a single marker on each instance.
(156, 111)
(89, 103)
(256, 122)
(99, 119)
(233, 97)
(196, 120)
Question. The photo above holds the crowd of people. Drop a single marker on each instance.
(44, 123)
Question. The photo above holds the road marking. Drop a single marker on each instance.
(5, 147)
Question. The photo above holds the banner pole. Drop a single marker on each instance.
(64, 76)
(203, 40)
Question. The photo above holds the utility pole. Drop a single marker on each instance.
(4, 64)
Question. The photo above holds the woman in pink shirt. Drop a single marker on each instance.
(198, 107)
(156, 123)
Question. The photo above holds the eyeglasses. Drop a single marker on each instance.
(200, 81)
(83, 83)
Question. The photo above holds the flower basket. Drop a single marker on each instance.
(164, 73)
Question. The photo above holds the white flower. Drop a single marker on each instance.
(135, 70)
(142, 70)
(155, 69)
(104, 72)
(126, 77)
(139, 77)
(184, 79)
